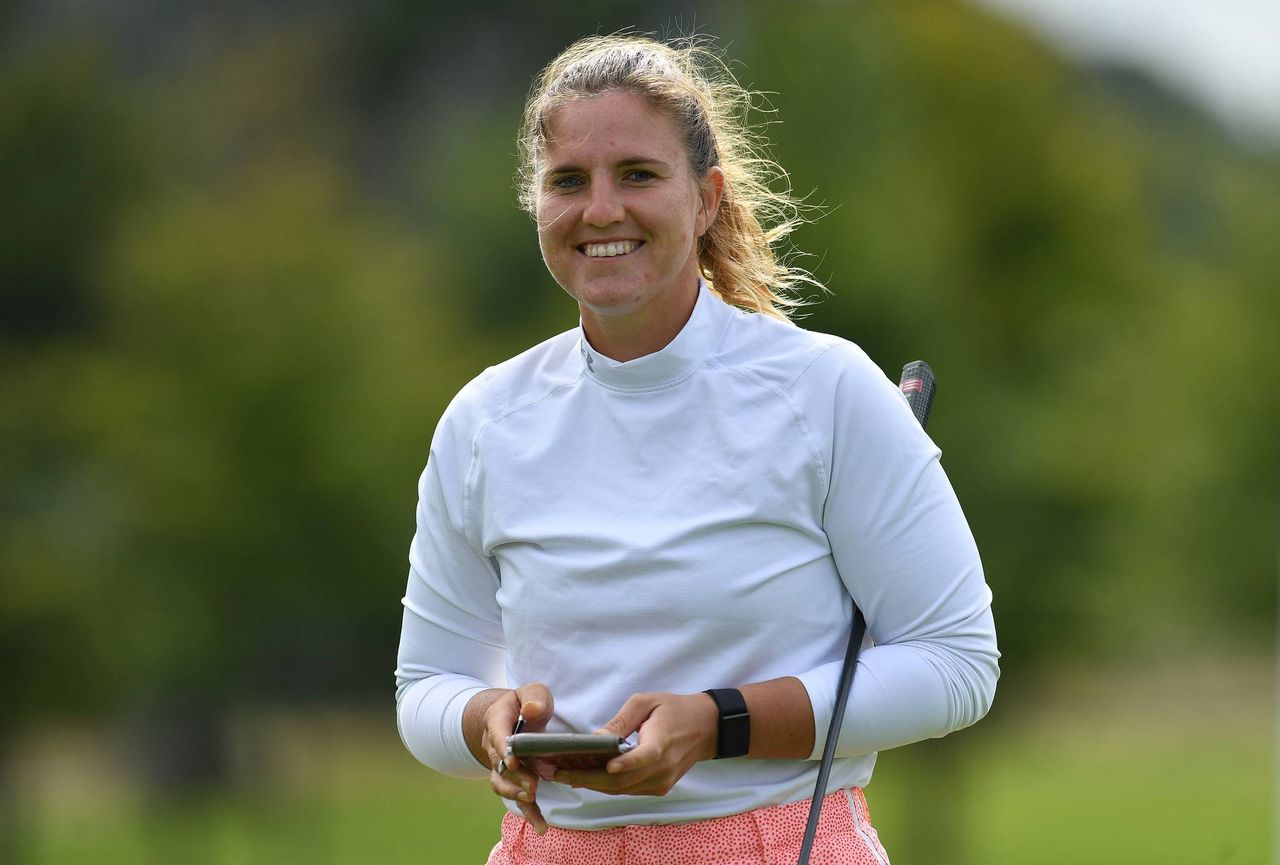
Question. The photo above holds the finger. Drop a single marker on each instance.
(498, 760)
(629, 718)
(591, 779)
(636, 781)
(643, 756)
(510, 762)
(519, 786)
(505, 786)
(533, 814)
(523, 788)
(641, 782)
(646, 754)
(508, 786)
(536, 704)
(500, 719)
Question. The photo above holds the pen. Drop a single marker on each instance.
(502, 764)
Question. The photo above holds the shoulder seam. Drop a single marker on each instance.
(817, 355)
(801, 422)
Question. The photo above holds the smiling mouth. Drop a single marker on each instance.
(610, 250)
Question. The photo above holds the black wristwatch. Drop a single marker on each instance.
(735, 724)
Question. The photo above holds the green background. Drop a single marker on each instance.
(248, 253)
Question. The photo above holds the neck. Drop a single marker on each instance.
(624, 337)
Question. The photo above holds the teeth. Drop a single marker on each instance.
(608, 250)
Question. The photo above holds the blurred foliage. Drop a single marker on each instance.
(1093, 287)
(247, 257)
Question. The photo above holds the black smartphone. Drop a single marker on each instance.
(568, 750)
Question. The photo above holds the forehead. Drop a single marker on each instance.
(614, 125)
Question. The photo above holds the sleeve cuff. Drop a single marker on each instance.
(429, 715)
(821, 683)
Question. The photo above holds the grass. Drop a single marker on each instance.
(1128, 769)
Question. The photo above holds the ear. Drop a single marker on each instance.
(711, 193)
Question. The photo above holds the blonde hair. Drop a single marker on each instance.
(739, 253)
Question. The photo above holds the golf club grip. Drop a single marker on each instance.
(919, 385)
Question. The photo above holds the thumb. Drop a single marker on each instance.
(633, 713)
(536, 703)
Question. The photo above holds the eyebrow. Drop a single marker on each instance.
(626, 162)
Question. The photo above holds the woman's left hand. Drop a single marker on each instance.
(675, 731)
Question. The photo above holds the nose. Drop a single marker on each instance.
(604, 205)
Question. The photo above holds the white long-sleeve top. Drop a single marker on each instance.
(701, 517)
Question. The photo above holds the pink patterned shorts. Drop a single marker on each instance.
(765, 836)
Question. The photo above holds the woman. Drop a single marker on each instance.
(686, 493)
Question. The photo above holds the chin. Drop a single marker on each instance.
(608, 299)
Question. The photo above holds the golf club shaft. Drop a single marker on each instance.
(919, 386)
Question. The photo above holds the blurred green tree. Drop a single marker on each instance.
(236, 291)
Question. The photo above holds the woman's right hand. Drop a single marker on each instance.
(516, 781)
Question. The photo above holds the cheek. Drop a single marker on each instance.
(544, 240)
(551, 249)
(553, 220)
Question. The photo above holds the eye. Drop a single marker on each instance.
(640, 175)
(565, 181)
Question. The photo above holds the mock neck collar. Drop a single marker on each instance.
(675, 361)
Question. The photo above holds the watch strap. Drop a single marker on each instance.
(734, 739)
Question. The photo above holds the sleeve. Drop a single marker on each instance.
(451, 643)
(906, 555)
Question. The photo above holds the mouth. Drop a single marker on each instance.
(612, 249)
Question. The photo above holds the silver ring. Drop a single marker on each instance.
(502, 767)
